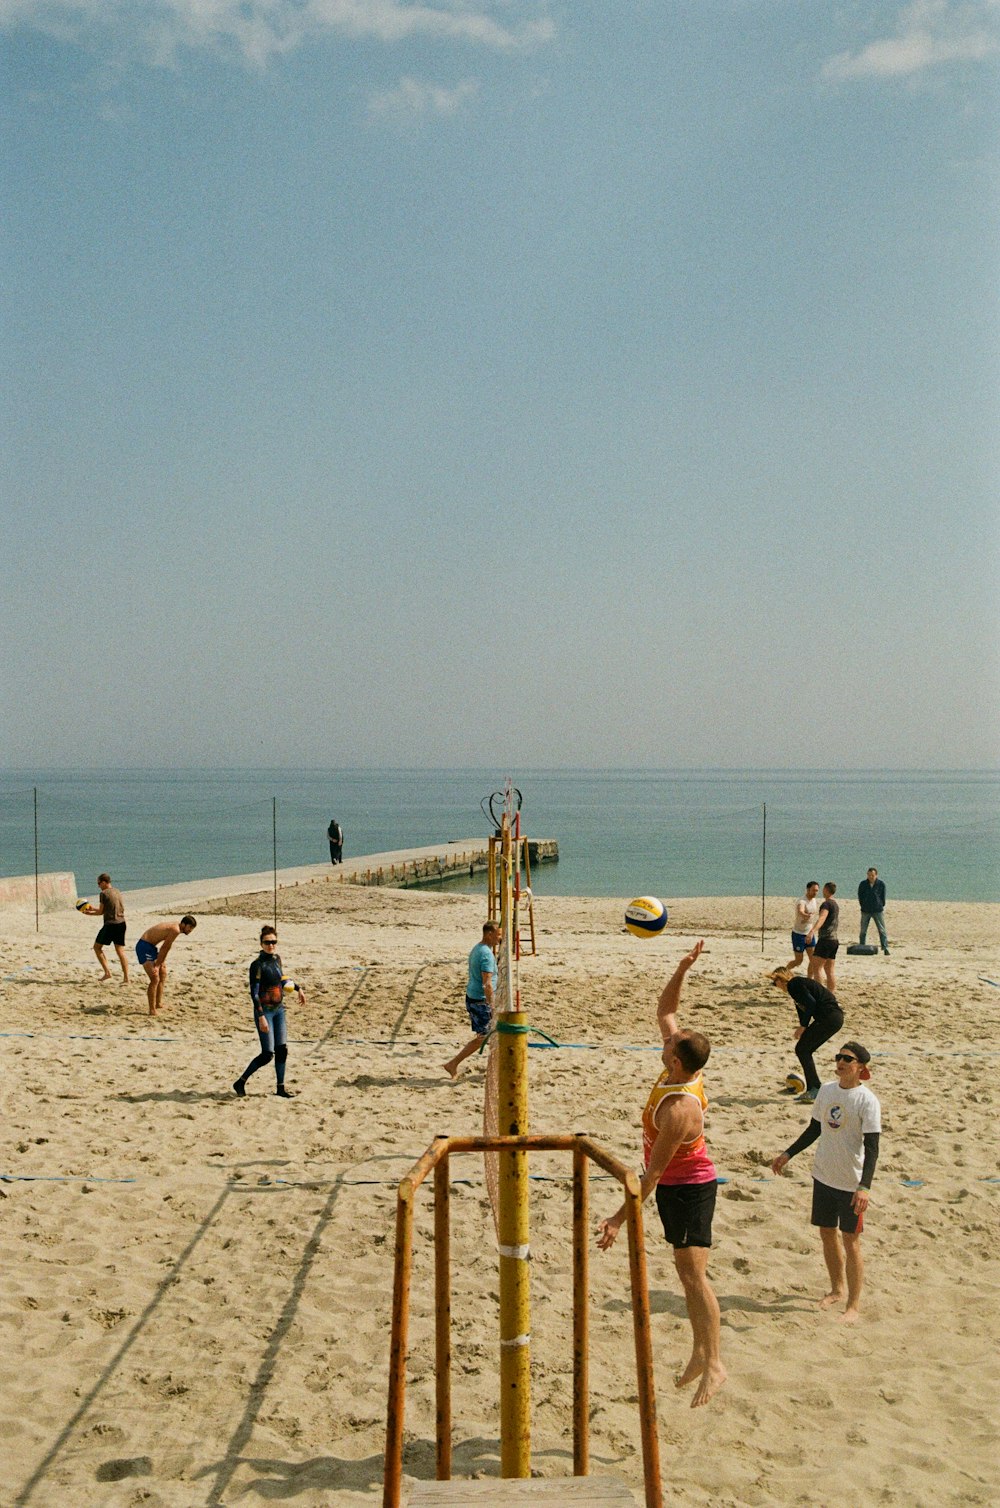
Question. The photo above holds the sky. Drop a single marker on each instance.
(499, 383)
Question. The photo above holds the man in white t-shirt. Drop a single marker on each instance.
(804, 926)
(847, 1122)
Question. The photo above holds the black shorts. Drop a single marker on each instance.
(111, 932)
(686, 1210)
(826, 949)
(832, 1208)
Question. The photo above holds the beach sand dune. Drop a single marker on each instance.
(197, 1289)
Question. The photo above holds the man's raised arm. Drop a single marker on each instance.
(666, 1010)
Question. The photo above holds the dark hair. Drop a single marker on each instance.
(268, 931)
(812, 882)
(692, 1049)
(188, 921)
(861, 1053)
(831, 887)
(104, 879)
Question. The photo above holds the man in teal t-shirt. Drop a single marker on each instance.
(479, 993)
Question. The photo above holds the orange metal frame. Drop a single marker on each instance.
(436, 1160)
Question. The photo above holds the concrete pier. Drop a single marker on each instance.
(399, 868)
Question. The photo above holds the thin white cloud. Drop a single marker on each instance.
(413, 99)
(928, 34)
(258, 30)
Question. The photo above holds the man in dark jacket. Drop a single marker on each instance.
(871, 899)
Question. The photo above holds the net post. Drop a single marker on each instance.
(442, 1316)
(35, 792)
(515, 1296)
(763, 874)
(581, 1338)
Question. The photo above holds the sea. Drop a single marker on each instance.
(932, 835)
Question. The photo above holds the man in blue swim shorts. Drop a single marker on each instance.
(479, 993)
(804, 925)
(151, 950)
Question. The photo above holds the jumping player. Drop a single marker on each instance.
(678, 1167)
(847, 1121)
(151, 950)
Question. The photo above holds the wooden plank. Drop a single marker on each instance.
(561, 1492)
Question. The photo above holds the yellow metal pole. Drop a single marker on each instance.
(581, 1283)
(515, 1296)
(442, 1316)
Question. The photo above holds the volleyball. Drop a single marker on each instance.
(289, 986)
(82, 905)
(794, 1082)
(645, 916)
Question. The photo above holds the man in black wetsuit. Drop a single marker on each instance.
(820, 1018)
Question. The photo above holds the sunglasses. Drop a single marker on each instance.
(269, 942)
(844, 1057)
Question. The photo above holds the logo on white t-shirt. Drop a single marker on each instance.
(836, 1117)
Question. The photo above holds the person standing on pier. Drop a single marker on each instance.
(335, 834)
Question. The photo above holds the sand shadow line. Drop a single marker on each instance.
(343, 1009)
(240, 1438)
(28, 1490)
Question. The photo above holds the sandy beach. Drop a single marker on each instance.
(197, 1288)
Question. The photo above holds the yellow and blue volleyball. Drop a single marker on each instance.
(794, 1082)
(82, 905)
(645, 916)
(289, 986)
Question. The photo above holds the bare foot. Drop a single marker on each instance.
(152, 1010)
(449, 1069)
(850, 1317)
(694, 1369)
(831, 1299)
(711, 1381)
(105, 978)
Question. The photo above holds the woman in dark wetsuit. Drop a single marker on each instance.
(267, 987)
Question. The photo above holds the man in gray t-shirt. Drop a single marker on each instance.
(112, 908)
(847, 1123)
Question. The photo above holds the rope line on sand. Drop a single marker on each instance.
(391, 1183)
(547, 1046)
(59, 1178)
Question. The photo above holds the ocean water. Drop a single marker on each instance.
(932, 836)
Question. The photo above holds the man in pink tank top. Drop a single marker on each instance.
(679, 1168)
